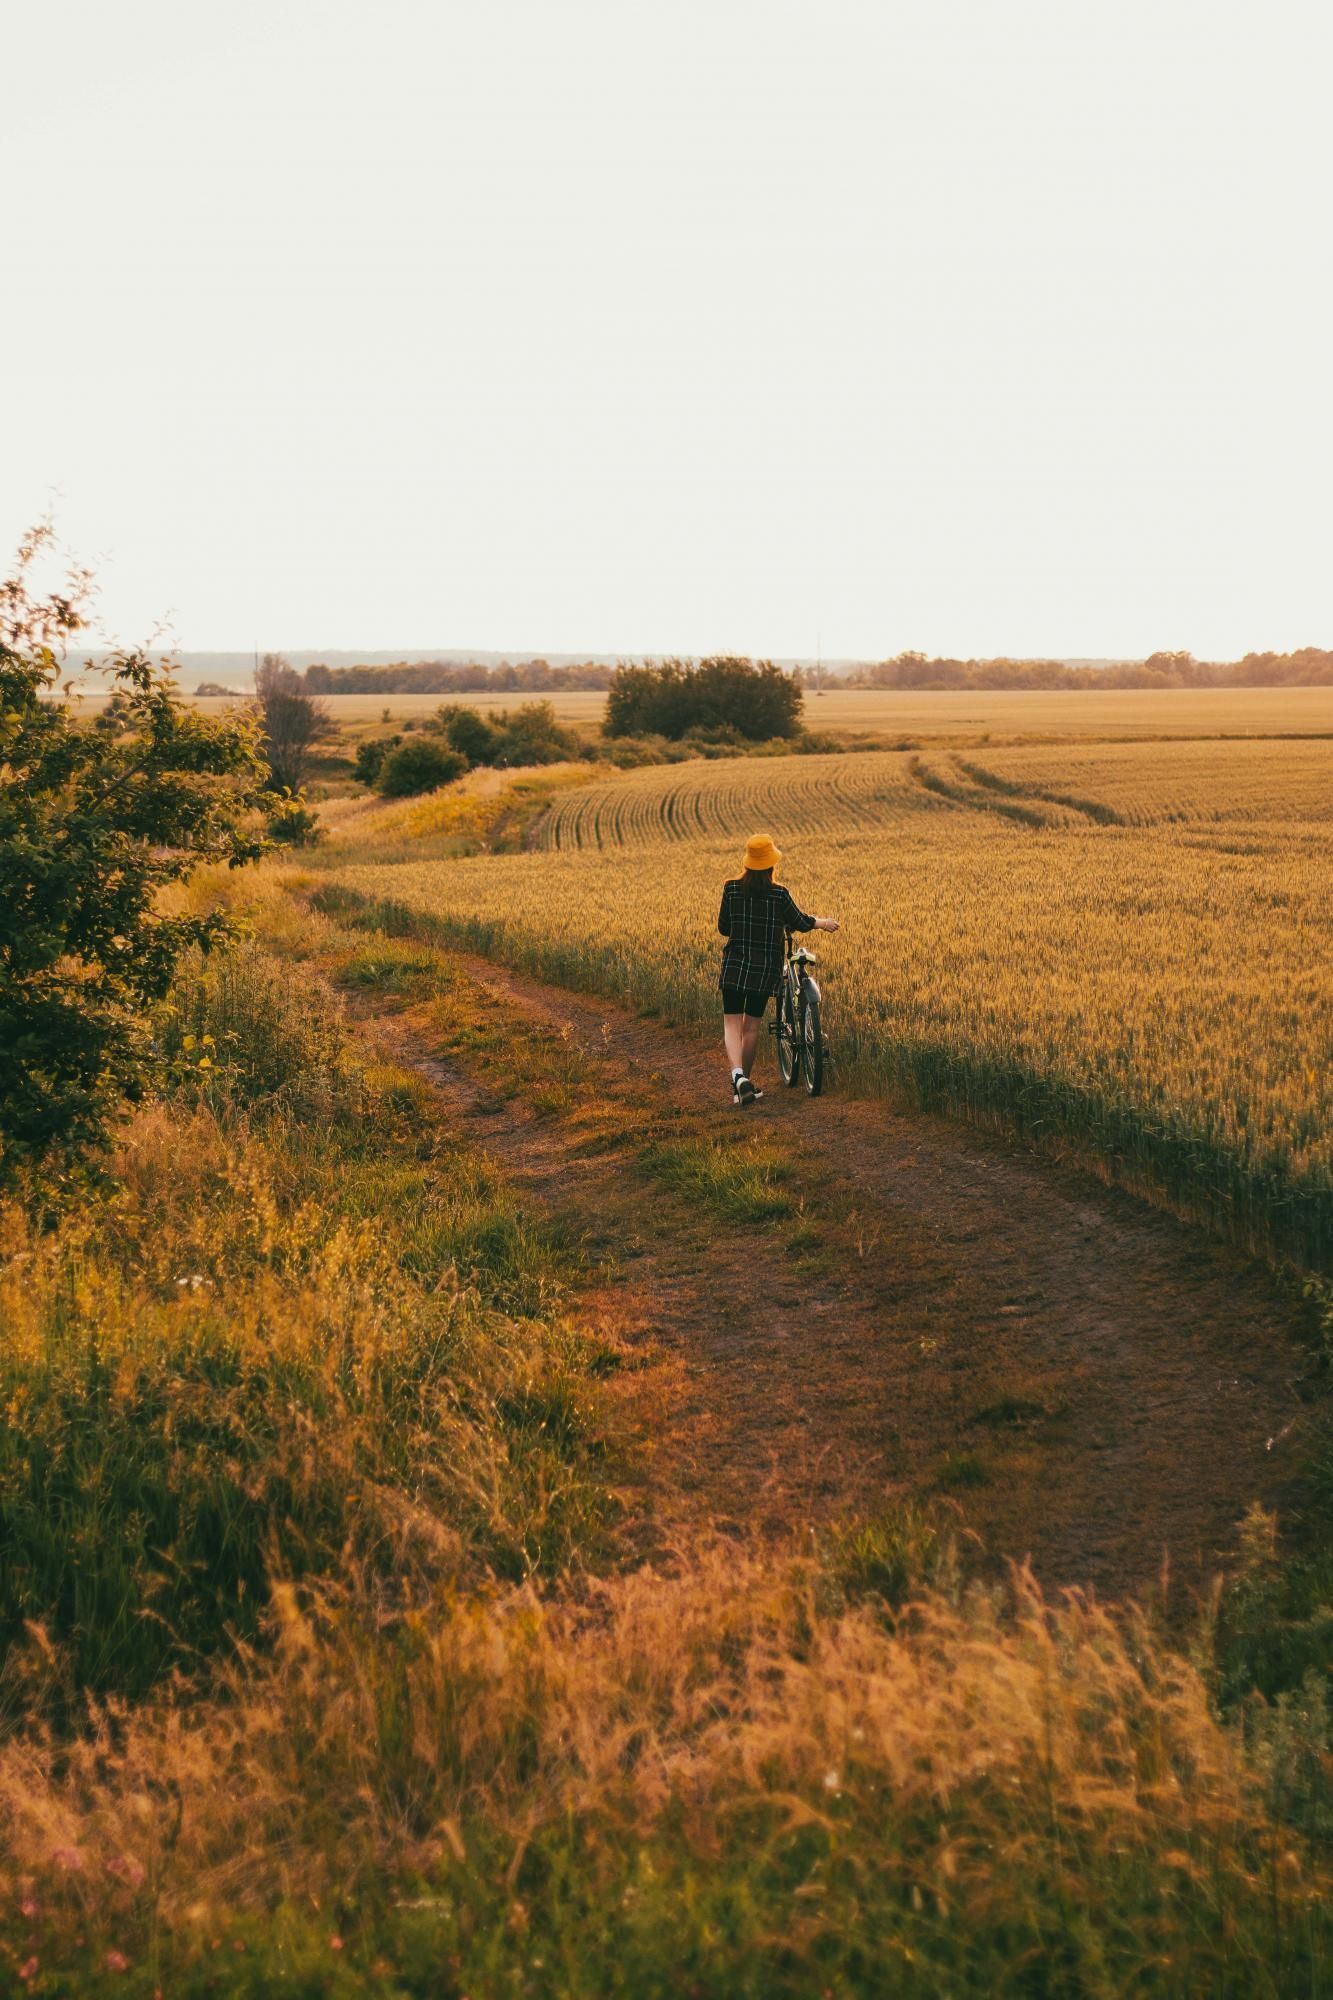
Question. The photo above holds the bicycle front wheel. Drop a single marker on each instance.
(789, 1045)
(812, 1046)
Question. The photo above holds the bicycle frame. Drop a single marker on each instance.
(798, 973)
(799, 1001)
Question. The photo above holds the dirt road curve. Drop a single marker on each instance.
(1098, 1385)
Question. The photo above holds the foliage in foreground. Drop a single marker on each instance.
(307, 1330)
(93, 822)
(310, 1380)
(737, 1777)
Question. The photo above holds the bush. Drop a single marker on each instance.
(723, 692)
(296, 825)
(422, 766)
(470, 734)
(532, 735)
(244, 1031)
(94, 824)
(630, 753)
(370, 754)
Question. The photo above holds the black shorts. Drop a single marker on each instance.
(734, 1001)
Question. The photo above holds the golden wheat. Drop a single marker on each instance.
(1127, 945)
(965, 713)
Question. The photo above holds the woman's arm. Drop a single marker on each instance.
(795, 918)
(724, 915)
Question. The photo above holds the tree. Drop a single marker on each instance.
(371, 752)
(94, 821)
(530, 734)
(292, 721)
(419, 766)
(469, 733)
(723, 692)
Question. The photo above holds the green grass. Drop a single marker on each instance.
(1011, 1412)
(738, 1182)
(887, 1555)
(307, 1315)
(758, 1776)
(961, 1470)
(390, 969)
(315, 1380)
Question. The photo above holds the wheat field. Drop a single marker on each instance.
(1120, 947)
(930, 713)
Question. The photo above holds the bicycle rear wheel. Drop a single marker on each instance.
(812, 1045)
(789, 1045)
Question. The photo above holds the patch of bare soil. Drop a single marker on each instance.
(1101, 1388)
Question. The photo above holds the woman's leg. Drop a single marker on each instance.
(749, 1039)
(733, 1034)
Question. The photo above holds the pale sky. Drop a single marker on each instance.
(977, 326)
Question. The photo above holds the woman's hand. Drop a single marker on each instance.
(826, 923)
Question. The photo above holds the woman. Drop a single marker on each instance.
(754, 915)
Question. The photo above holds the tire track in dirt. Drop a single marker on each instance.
(1118, 1386)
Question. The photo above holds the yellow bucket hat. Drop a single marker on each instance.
(760, 852)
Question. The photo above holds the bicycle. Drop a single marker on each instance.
(802, 1051)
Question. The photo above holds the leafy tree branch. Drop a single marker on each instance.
(97, 815)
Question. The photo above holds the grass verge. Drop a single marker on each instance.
(326, 1675)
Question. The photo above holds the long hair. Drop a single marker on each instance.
(755, 879)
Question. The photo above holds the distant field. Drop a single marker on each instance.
(1117, 712)
(1159, 783)
(357, 711)
(1124, 946)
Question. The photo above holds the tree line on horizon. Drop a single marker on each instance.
(454, 677)
(1307, 666)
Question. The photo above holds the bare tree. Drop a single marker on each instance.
(293, 720)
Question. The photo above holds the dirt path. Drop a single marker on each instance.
(1097, 1385)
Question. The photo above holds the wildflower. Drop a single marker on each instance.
(116, 1961)
(204, 1063)
(335, 1944)
(69, 1859)
(832, 1781)
(208, 1041)
(188, 1042)
(29, 1969)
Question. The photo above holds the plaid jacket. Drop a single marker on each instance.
(753, 927)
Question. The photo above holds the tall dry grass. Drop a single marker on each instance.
(309, 1328)
(325, 1675)
(727, 1780)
